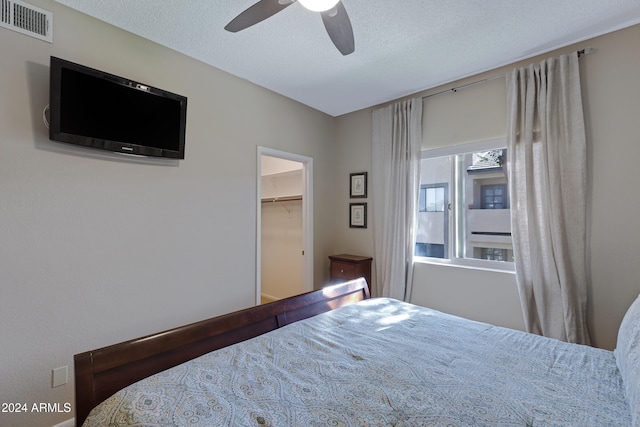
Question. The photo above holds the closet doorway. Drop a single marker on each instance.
(284, 260)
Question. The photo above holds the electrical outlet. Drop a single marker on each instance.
(60, 376)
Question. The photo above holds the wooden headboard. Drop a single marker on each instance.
(102, 372)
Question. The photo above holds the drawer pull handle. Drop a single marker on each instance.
(341, 271)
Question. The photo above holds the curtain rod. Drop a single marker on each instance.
(581, 52)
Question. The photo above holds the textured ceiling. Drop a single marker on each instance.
(402, 46)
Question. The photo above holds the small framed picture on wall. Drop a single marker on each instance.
(358, 185)
(358, 215)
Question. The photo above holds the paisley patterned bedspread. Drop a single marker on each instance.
(381, 362)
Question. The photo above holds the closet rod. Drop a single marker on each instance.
(281, 199)
(581, 52)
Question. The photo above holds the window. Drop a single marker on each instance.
(494, 254)
(494, 196)
(431, 250)
(463, 208)
(432, 198)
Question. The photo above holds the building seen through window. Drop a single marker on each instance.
(463, 207)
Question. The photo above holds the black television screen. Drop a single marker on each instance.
(96, 109)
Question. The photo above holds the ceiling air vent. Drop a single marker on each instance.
(26, 19)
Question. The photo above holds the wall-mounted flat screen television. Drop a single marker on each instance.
(96, 109)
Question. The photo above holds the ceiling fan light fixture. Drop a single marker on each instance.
(318, 5)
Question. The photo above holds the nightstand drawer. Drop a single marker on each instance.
(347, 267)
(341, 270)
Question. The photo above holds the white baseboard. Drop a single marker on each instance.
(68, 423)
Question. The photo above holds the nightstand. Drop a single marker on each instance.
(347, 267)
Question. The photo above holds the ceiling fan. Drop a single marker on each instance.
(334, 16)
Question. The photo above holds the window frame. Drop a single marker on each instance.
(453, 256)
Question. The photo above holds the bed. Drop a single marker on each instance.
(336, 357)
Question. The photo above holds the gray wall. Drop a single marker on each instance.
(97, 248)
(611, 98)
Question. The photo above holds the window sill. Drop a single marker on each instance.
(472, 264)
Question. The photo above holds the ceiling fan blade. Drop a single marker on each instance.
(256, 13)
(338, 26)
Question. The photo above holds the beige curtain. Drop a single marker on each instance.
(397, 136)
(547, 171)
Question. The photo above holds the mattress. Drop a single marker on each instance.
(381, 362)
